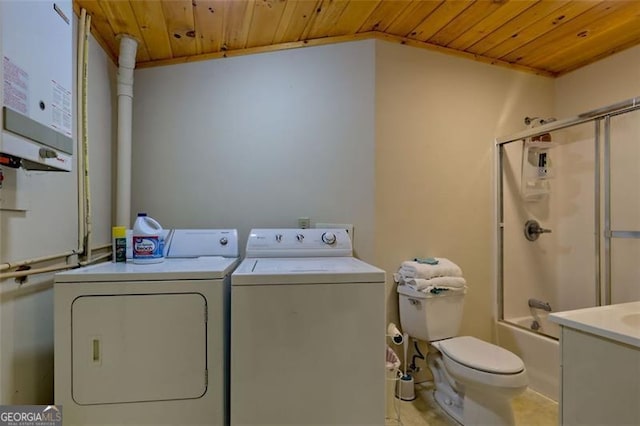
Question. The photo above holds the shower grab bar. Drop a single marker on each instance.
(623, 234)
(539, 304)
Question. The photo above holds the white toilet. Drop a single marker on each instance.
(474, 380)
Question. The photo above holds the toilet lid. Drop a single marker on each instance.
(481, 355)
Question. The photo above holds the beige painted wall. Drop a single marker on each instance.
(613, 79)
(437, 117)
(48, 227)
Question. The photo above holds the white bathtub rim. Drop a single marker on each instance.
(548, 329)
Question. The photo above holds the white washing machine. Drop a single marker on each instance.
(307, 332)
(147, 343)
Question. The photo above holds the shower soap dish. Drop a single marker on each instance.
(536, 169)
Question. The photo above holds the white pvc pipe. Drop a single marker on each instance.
(83, 137)
(82, 24)
(127, 63)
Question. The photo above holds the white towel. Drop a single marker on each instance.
(444, 268)
(449, 283)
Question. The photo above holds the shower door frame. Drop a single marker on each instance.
(597, 116)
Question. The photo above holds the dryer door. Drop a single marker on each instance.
(138, 347)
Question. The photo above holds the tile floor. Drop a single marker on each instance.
(530, 409)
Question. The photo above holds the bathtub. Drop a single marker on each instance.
(539, 323)
(541, 354)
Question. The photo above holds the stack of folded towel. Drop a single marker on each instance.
(433, 274)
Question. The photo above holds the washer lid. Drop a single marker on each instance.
(305, 270)
(481, 355)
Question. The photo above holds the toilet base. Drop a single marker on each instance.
(478, 409)
(468, 404)
(445, 396)
(450, 404)
(475, 409)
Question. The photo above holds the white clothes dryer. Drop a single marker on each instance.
(307, 332)
(147, 343)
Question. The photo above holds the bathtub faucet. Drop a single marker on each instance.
(539, 304)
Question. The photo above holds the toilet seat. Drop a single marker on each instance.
(479, 355)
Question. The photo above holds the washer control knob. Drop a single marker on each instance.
(299, 237)
(279, 238)
(224, 241)
(329, 238)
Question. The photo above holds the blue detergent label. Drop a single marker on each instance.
(148, 247)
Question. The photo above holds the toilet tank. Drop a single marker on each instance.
(428, 316)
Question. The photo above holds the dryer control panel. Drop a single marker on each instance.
(291, 242)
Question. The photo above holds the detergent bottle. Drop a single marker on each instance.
(148, 240)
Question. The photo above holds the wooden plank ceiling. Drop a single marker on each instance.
(548, 37)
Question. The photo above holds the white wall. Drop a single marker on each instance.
(258, 141)
(48, 227)
(437, 118)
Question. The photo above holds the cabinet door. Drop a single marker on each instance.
(600, 380)
(303, 354)
(147, 347)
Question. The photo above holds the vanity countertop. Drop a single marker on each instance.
(620, 322)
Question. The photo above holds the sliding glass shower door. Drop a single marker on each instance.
(623, 272)
(569, 218)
